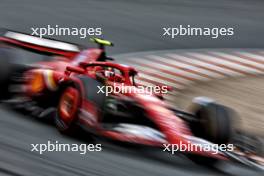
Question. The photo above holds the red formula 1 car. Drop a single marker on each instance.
(73, 86)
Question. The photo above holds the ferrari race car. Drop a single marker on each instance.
(71, 88)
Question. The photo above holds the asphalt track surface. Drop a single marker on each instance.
(133, 26)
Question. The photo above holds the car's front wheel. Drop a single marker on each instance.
(213, 123)
(68, 108)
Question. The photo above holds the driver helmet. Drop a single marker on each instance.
(109, 72)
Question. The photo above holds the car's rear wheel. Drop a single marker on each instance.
(5, 72)
(10, 70)
(68, 108)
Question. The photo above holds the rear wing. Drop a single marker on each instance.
(39, 45)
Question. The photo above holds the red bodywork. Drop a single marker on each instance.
(51, 74)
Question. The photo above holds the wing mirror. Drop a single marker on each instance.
(78, 70)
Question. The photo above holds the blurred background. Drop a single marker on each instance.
(134, 26)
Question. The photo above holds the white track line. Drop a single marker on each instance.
(151, 70)
(160, 81)
(176, 64)
(204, 64)
(144, 83)
(183, 79)
(251, 56)
(235, 67)
(171, 69)
(238, 60)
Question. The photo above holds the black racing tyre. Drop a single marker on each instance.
(9, 66)
(5, 72)
(214, 123)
